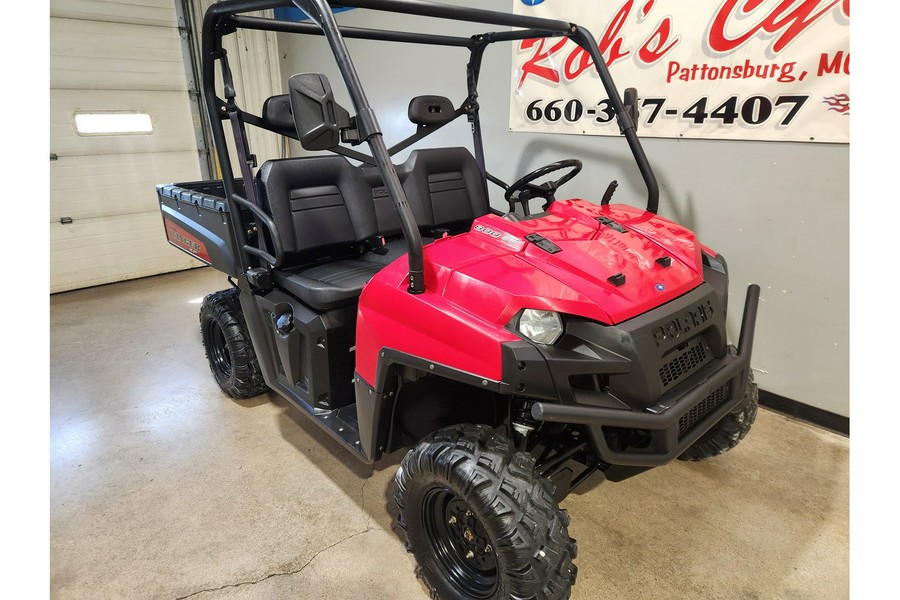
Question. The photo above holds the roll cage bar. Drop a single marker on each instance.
(224, 18)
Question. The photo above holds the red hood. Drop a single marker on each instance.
(493, 272)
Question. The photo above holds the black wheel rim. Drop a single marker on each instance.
(219, 356)
(459, 541)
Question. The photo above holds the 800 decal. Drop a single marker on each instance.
(753, 110)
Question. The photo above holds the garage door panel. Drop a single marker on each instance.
(116, 56)
(97, 251)
(147, 12)
(84, 187)
(108, 236)
(92, 54)
(173, 124)
(120, 73)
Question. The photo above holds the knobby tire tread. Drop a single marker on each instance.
(246, 378)
(516, 505)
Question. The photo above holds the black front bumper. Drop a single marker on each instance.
(672, 418)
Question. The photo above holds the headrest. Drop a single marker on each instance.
(431, 110)
(278, 116)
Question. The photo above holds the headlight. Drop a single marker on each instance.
(541, 326)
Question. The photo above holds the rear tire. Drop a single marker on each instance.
(481, 522)
(229, 350)
(727, 433)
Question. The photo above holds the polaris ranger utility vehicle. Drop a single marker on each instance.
(516, 354)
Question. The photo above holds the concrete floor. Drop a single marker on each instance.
(162, 487)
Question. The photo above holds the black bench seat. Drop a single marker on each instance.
(325, 207)
(328, 285)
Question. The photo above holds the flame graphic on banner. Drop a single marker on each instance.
(839, 103)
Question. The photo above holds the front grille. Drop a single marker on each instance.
(686, 361)
(696, 414)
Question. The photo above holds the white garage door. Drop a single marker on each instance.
(121, 61)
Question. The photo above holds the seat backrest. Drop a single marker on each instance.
(444, 188)
(386, 214)
(317, 203)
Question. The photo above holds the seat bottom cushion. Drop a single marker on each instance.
(328, 285)
(339, 283)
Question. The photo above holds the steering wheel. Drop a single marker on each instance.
(523, 190)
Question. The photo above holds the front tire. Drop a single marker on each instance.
(229, 350)
(481, 522)
(727, 433)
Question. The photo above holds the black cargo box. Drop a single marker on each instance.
(197, 220)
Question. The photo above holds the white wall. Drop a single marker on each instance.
(778, 212)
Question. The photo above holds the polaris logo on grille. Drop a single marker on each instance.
(683, 323)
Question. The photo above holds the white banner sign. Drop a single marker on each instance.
(722, 69)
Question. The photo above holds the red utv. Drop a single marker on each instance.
(515, 352)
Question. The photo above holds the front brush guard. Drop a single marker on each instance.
(669, 423)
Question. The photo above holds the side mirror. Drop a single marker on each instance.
(630, 100)
(319, 119)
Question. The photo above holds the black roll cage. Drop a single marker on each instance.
(224, 18)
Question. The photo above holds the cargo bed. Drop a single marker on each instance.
(197, 221)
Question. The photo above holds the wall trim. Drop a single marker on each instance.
(804, 412)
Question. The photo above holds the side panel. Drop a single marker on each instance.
(427, 326)
(306, 358)
(202, 233)
(310, 353)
